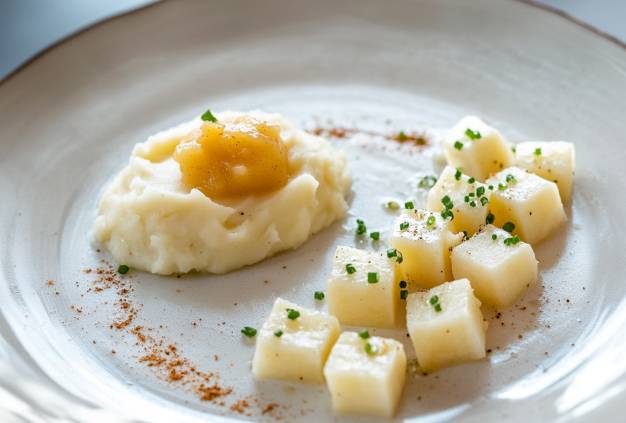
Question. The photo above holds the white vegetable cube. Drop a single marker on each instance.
(424, 240)
(366, 376)
(362, 289)
(446, 325)
(293, 343)
(499, 267)
(470, 200)
(477, 148)
(554, 161)
(528, 201)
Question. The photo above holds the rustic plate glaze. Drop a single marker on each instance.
(69, 119)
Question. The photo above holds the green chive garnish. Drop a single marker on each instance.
(509, 227)
(408, 205)
(472, 135)
(433, 300)
(537, 151)
(375, 235)
(123, 269)
(484, 201)
(510, 178)
(427, 182)
(360, 228)
(292, 314)
(404, 294)
(370, 349)
(511, 241)
(430, 221)
(278, 333)
(447, 213)
(404, 226)
(458, 174)
(490, 218)
(350, 268)
(208, 116)
(458, 145)
(480, 191)
(494, 236)
(248, 331)
(437, 307)
(364, 334)
(319, 295)
(471, 180)
(502, 187)
(372, 277)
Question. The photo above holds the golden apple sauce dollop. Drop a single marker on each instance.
(236, 158)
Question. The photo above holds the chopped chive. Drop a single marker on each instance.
(427, 182)
(458, 174)
(404, 294)
(430, 221)
(458, 145)
(248, 331)
(471, 180)
(472, 135)
(494, 236)
(123, 269)
(537, 151)
(447, 202)
(399, 257)
(393, 205)
(509, 227)
(403, 284)
(511, 240)
(392, 252)
(208, 116)
(471, 194)
(371, 349)
(472, 203)
(364, 334)
(490, 218)
(319, 295)
(502, 187)
(490, 187)
(433, 300)
(372, 277)
(408, 205)
(437, 307)
(350, 268)
(404, 226)
(447, 213)
(484, 201)
(292, 314)
(375, 235)
(480, 191)
(360, 228)
(510, 179)
(467, 199)
(278, 333)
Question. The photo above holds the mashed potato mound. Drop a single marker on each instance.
(149, 220)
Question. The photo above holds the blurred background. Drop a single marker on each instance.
(28, 26)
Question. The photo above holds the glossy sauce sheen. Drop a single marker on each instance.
(240, 158)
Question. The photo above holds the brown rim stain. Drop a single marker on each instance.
(102, 22)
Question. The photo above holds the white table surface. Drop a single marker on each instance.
(28, 26)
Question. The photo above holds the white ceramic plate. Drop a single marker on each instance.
(69, 120)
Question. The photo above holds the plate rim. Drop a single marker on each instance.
(140, 9)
